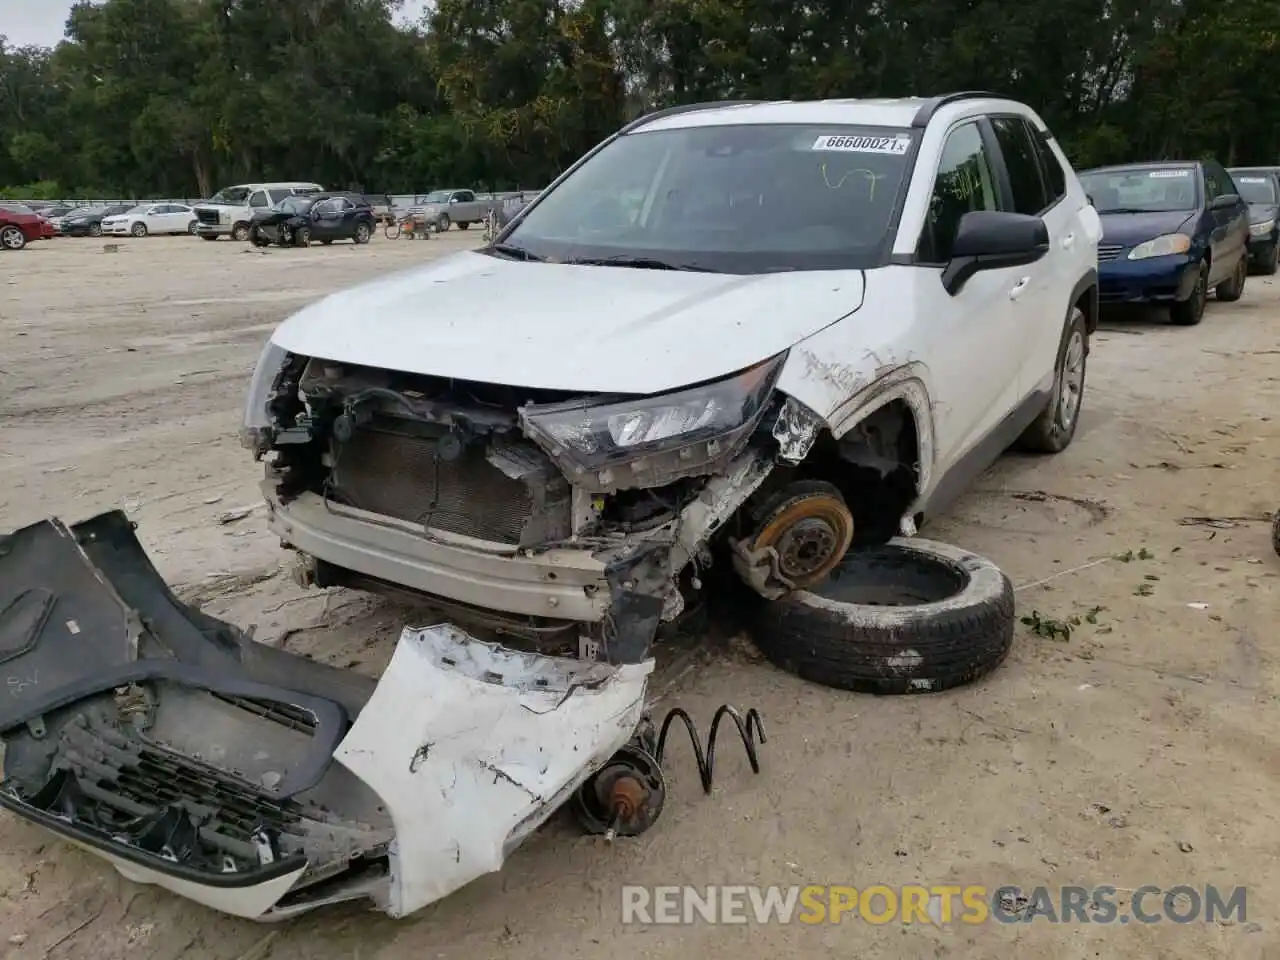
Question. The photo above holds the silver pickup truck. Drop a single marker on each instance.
(446, 207)
(443, 208)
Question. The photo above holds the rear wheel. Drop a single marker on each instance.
(1053, 430)
(1229, 291)
(1269, 262)
(463, 224)
(1189, 312)
(208, 236)
(363, 232)
(11, 238)
(302, 237)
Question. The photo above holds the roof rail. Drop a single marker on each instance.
(684, 108)
(934, 104)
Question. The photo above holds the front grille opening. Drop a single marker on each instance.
(401, 475)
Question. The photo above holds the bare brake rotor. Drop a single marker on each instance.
(801, 533)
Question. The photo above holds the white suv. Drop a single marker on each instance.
(759, 331)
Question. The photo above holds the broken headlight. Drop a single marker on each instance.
(612, 444)
(256, 415)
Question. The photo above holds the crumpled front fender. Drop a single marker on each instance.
(472, 746)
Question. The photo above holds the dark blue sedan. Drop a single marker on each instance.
(1170, 233)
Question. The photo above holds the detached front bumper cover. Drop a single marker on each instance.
(188, 756)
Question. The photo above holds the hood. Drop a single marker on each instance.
(1128, 229)
(1259, 212)
(563, 327)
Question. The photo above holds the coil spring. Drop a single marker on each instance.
(706, 761)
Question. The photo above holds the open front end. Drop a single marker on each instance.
(576, 521)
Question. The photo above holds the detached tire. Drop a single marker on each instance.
(912, 616)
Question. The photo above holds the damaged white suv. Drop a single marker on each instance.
(765, 330)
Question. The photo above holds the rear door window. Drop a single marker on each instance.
(259, 199)
(1021, 163)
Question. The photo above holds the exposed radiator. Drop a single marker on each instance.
(399, 475)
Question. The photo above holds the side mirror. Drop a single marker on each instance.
(453, 199)
(1224, 202)
(992, 240)
(1089, 198)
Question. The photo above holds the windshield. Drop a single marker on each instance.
(731, 199)
(438, 196)
(1255, 189)
(234, 196)
(1142, 189)
(295, 205)
(16, 207)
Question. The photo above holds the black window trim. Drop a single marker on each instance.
(1004, 169)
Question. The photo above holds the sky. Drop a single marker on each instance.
(41, 21)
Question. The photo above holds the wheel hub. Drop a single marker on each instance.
(805, 547)
(806, 528)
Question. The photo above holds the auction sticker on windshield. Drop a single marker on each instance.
(895, 146)
(1169, 173)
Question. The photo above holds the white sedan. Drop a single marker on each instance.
(152, 218)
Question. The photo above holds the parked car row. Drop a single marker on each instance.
(277, 209)
(1173, 231)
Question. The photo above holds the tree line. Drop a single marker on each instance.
(178, 97)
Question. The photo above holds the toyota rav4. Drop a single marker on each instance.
(765, 332)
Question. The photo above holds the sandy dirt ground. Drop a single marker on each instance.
(1144, 749)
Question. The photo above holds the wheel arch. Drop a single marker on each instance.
(873, 443)
(1085, 296)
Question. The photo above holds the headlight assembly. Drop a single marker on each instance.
(1261, 229)
(1161, 246)
(256, 415)
(606, 444)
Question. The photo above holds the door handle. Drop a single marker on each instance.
(1019, 288)
(1068, 241)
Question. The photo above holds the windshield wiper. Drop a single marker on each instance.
(1134, 210)
(518, 253)
(638, 263)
